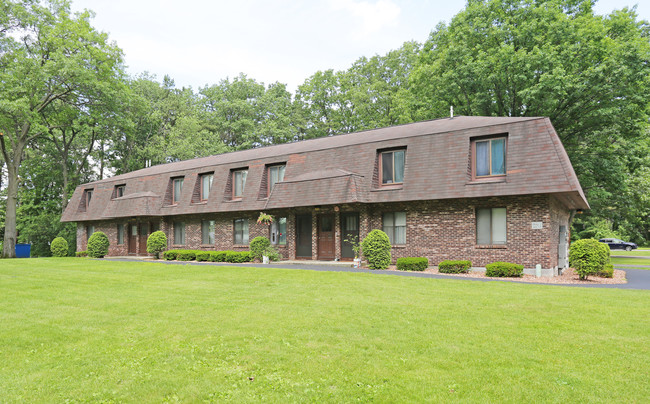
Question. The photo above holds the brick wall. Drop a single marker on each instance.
(438, 230)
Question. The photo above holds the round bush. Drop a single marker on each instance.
(98, 245)
(257, 247)
(588, 257)
(376, 249)
(59, 247)
(156, 243)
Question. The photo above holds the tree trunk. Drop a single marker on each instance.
(9, 246)
(64, 194)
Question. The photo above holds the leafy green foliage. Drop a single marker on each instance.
(156, 243)
(218, 256)
(98, 245)
(588, 257)
(412, 263)
(504, 269)
(186, 255)
(202, 256)
(376, 249)
(454, 266)
(59, 247)
(272, 253)
(238, 256)
(170, 255)
(258, 246)
(81, 254)
(606, 272)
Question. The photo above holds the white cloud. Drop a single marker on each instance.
(373, 16)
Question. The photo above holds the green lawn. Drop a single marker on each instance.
(78, 330)
(631, 261)
(633, 253)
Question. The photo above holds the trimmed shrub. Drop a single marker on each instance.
(203, 255)
(504, 269)
(59, 247)
(376, 249)
(98, 245)
(218, 256)
(607, 271)
(170, 255)
(257, 247)
(81, 254)
(588, 257)
(454, 267)
(156, 243)
(412, 263)
(238, 256)
(186, 255)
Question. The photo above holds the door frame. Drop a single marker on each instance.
(308, 217)
(344, 235)
(332, 233)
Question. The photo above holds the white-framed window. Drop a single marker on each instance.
(206, 186)
(179, 233)
(491, 226)
(394, 224)
(207, 232)
(177, 190)
(276, 174)
(239, 182)
(240, 235)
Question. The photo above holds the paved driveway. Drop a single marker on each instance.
(636, 278)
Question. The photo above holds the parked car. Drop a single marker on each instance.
(616, 244)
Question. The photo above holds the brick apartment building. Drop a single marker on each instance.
(479, 188)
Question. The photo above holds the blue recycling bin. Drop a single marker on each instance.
(23, 250)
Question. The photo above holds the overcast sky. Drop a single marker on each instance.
(199, 42)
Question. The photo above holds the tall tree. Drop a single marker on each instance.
(47, 54)
(590, 74)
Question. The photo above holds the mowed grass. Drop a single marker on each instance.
(633, 253)
(82, 330)
(630, 261)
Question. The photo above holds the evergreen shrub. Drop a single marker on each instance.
(59, 247)
(588, 257)
(376, 249)
(156, 243)
(98, 245)
(412, 263)
(454, 266)
(504, 269)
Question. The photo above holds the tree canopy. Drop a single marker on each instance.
(69, 114)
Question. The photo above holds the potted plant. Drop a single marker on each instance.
(356, 248)
(264, 219)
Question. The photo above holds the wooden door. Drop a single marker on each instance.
(133, 238)
(303, 236)
(326, 250)
(349, 231)
(142, 242)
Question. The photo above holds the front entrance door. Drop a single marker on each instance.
(303, 236)
(326, 249)
(142, 242)
(350, 232)
(133, 238)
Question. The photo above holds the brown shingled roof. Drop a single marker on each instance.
(343, 169)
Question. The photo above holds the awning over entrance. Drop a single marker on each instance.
(324, 187)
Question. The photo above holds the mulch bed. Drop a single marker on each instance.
(568, 277)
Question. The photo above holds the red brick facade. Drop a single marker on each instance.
(438, 230)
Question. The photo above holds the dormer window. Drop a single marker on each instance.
(239, 182)
(177, 188)
(206, 186)
(119, 191)
(489, 157)
(89, 196)
(276, 174)
(391, 165)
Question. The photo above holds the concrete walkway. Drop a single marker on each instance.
(636, 278)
